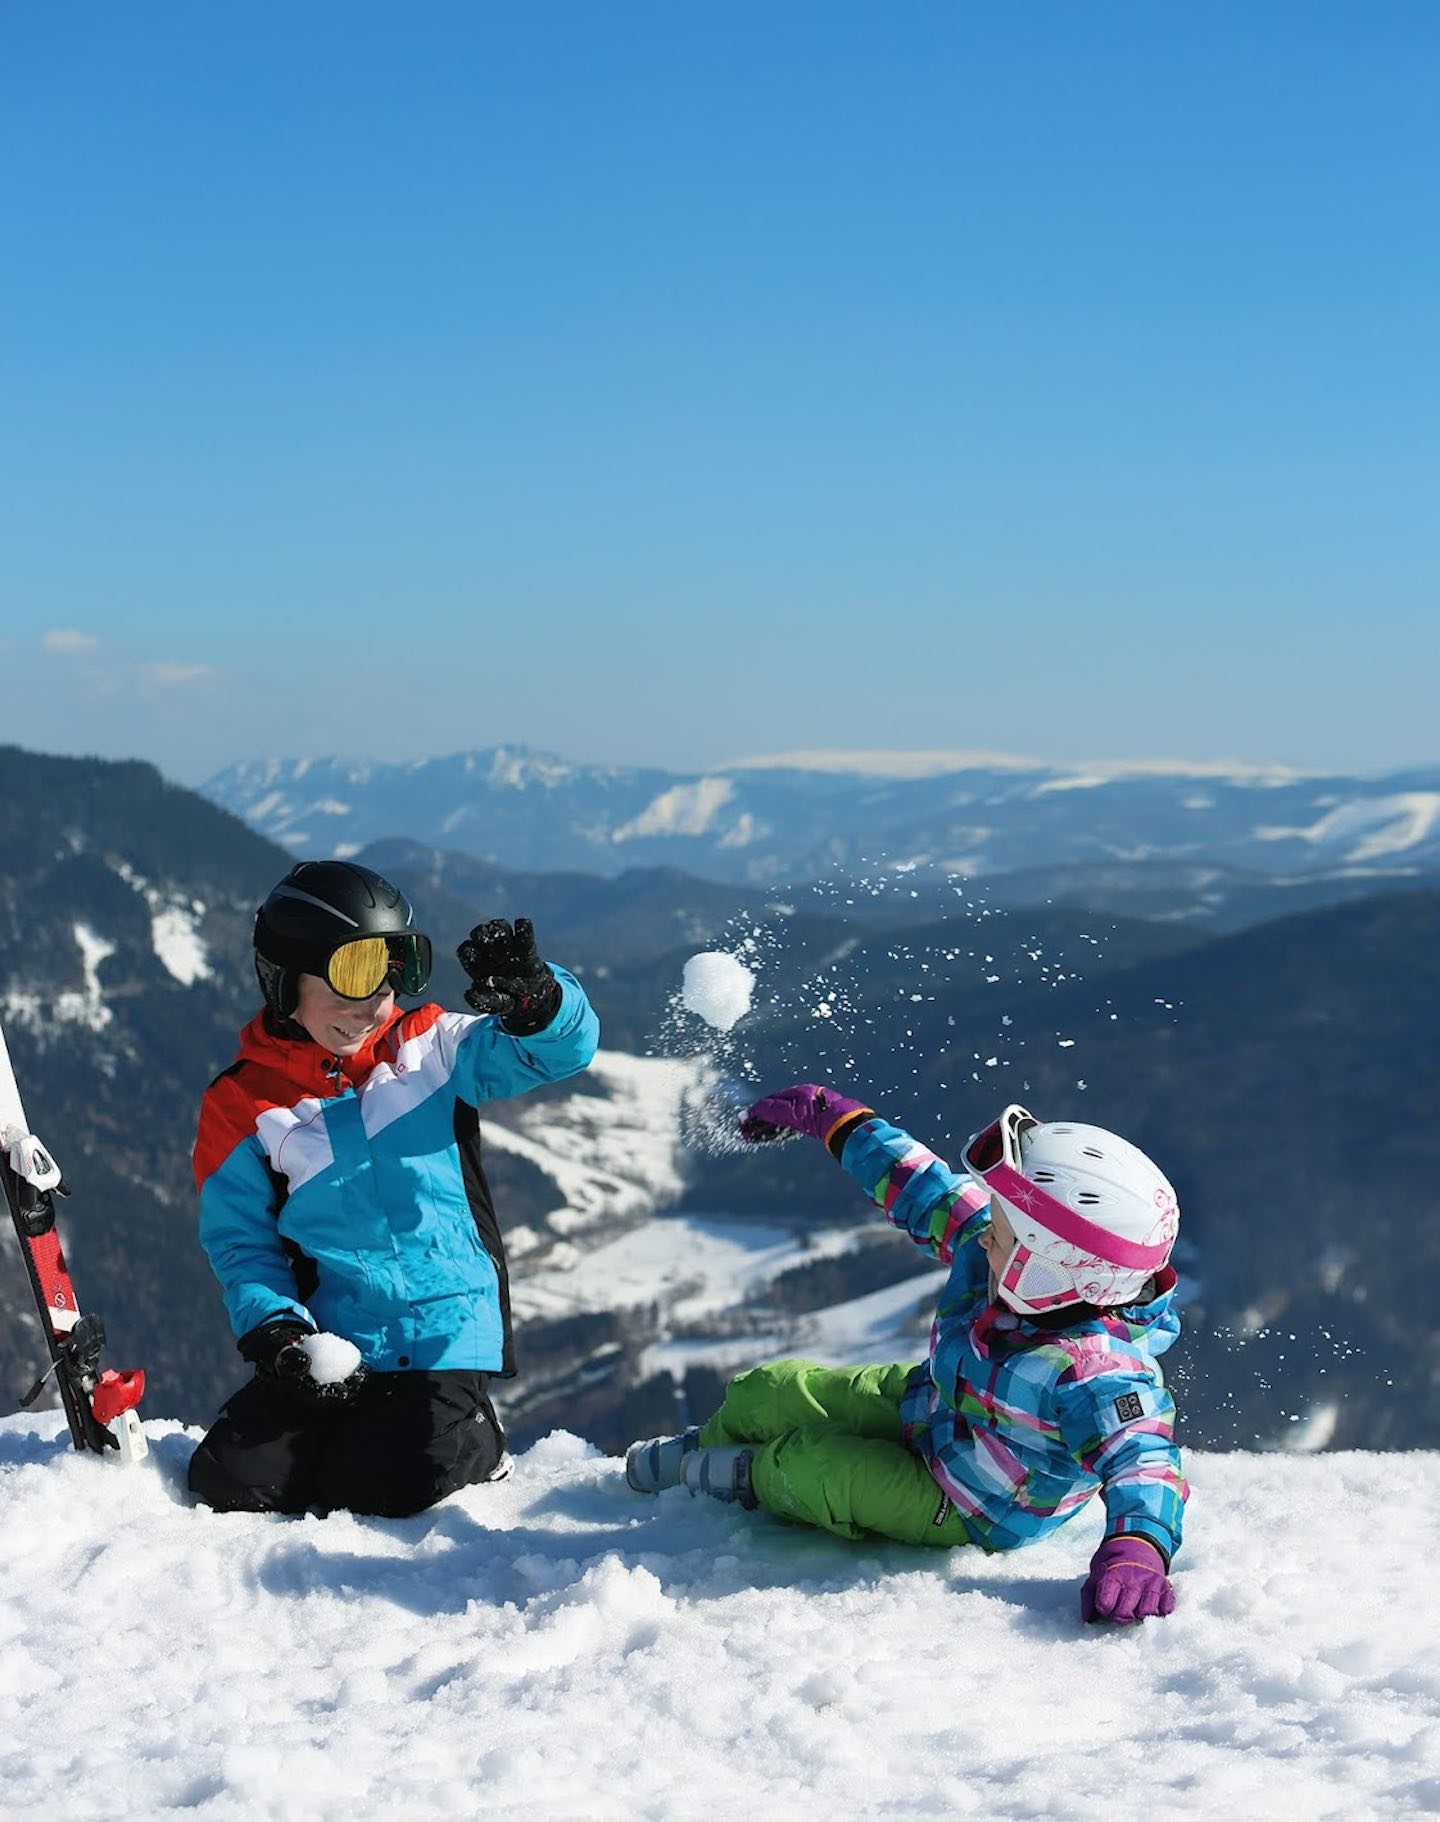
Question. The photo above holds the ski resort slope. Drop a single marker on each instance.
(554, 1646)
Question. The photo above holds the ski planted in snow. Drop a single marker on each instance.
(99, 1403)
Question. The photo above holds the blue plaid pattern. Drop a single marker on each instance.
(1019, 1424)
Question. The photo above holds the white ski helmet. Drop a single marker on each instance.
(1093, 1218)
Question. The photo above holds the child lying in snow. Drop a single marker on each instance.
(1041, 1386)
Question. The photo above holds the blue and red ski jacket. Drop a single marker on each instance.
(348, 1191)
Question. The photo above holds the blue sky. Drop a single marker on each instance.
(668, 383)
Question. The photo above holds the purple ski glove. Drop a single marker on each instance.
(1127, 1581)
(806, 1108)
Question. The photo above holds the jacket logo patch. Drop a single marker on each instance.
(942, 1514)
(1128, 1408)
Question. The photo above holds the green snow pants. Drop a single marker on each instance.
(832, 1455)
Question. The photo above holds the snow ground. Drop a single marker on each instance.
(554, 1646)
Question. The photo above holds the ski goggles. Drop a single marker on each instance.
(997, 1143)
(992, 1157)
(360, 968)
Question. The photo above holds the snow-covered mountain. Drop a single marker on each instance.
(783, 820)
(554, 1646)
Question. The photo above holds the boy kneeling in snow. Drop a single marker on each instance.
(343, 1201)
(1041, 1387)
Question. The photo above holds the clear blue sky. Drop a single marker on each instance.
(666, 382)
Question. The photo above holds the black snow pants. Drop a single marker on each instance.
(405, 1441)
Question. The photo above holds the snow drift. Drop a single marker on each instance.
(554, 1646)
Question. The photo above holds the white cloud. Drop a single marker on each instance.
(70, 640)
(170, 676)
(112, 676)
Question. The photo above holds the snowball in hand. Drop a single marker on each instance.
(332, 1358)
(717, 988)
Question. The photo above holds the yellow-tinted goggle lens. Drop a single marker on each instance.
(358, 969)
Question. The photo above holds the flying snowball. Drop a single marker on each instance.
(717, 988)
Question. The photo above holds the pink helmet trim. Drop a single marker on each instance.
(1074, 1229)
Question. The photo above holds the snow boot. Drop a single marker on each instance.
(722, 1473)
(652, 1466)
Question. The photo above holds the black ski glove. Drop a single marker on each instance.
(510, 979)
(273, 1351)
(279, 1360)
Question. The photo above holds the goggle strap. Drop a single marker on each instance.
(1067, 1225)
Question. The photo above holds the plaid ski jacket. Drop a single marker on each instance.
(1019, 1423)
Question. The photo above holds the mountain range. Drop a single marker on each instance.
(1277, 1060)
(771, 822)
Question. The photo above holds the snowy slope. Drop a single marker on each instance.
(555, 1647)
(611, 1148)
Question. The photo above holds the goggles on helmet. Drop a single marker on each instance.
(360, 968)
(997, 1143)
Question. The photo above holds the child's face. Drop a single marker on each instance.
(997, 1242)
(341, 1026)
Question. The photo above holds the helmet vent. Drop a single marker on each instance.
(1089, 1151)
(1088, 1199)
(1042, 1176)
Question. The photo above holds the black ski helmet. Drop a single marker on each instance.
(318, 906)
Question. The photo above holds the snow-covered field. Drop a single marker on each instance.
(699, 1270)
(698, 1266)
(890, 1324)
(611, 1149)
(555, 1647)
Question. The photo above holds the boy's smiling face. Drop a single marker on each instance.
(339, 1025)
